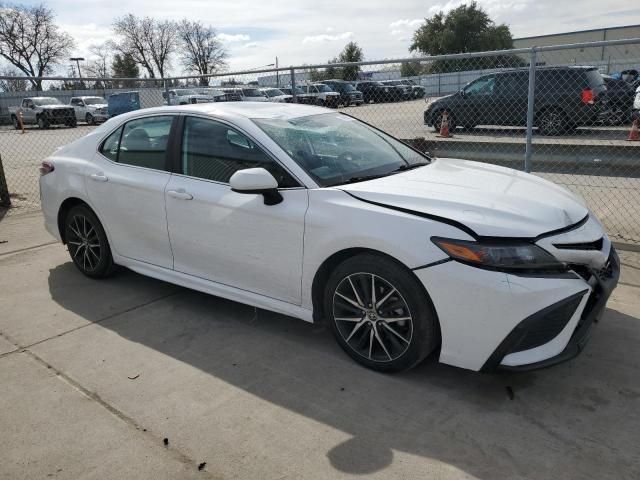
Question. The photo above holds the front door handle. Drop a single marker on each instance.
(99, 177)
(180, 194)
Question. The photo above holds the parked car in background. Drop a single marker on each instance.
(247, 94)
(565, 98)
(621, 95)
(90, 109)
(322, 95)
(417, 91)
(44, 112)
(636, 104)
(376, 91)
(348, 93)
(301, 96)
(277, 95)
(314, 214)
(215, 94)
(185, 96)
(403, 92)
(123, 102)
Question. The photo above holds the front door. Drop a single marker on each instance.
(228, 237)
(126, 184)
(478, 103)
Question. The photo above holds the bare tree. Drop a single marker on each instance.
(200, 49)
(12, 84)
(100, 63)
(31, 41)
(149, 42)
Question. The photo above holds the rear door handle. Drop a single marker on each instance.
(98, 177)
(180, 194)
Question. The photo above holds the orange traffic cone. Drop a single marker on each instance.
(634, 133)
(444, 126)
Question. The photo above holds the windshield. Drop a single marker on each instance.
(334, 148)
(348, 87)
(322, 88)
(94, 101)
(46, 101)
(252, 92)
(183, 91)
(274, 92)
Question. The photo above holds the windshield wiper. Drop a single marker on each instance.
(411, 166)
(361, 178)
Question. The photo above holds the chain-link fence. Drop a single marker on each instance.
(564, 113)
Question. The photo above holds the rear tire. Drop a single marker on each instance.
(87, 243)
(400, 328)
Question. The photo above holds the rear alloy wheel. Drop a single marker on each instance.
(552, 122)
(379, 313)
(87, 243)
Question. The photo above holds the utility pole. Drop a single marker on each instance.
(277, 74)
(78, 60)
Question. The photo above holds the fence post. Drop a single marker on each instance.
(5, 199)
(166, 89)
(530, 100)
(292, 76)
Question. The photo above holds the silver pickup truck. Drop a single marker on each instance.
(90, 109)
(43, 111)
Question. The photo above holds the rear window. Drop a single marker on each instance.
(594, 78)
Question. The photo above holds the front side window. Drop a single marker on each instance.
(335, 148)
(144, 142)
(323, 88)
(482, 86)
(213, 151)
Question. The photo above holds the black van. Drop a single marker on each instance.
(565, 98)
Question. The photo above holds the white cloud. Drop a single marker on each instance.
(252, 45)
(227, 38)
(324, 37)
(405, 23)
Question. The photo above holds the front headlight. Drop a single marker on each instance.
(510, 255)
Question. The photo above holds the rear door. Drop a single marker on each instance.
(126, 184)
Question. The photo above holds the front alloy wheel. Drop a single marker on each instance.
(372, 317)
(380, 313)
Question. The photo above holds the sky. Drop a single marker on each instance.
(306, 32)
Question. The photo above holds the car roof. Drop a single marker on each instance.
(238, 110)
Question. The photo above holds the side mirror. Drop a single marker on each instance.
(256, 181)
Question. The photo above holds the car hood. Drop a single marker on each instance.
(490, 200)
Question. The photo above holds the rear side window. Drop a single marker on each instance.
(110, 146)
(140, 143)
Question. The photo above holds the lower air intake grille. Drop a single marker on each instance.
(546, 324)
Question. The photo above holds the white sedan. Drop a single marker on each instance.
(311, 213)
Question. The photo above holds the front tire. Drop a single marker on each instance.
(42, 123)
(89, 119)
(87, 243)
(380, 314)
(16, 123)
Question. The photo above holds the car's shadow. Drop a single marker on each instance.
(576, 420)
